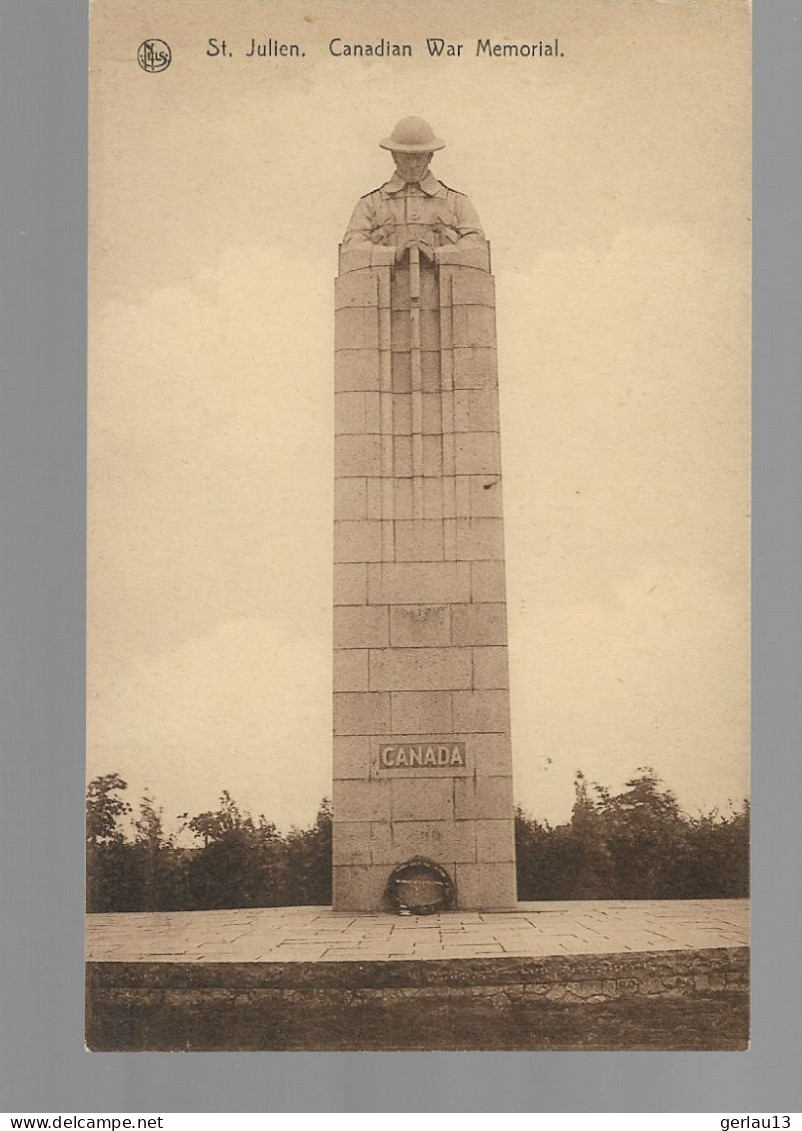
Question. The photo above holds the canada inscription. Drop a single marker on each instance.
(421, 755)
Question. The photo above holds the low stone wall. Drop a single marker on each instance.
(158, 1005)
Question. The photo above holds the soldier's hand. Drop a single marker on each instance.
(403, 247)
(426, 249)
(381, 235)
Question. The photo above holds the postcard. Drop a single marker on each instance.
(419, 348)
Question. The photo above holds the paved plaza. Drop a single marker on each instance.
(308, 934)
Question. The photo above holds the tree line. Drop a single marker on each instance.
(637, 844)
(238, 861)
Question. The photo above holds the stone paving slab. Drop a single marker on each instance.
(310, 934)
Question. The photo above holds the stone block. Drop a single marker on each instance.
(399, 298)
(351, 669)
(442, 841)
(431, 414)
(402, 414)
(357, 288)
(449, 485)
(361, 801)
(361, 626)
(373, 411)
(456, 256)
(357, 455)
(483, 799)
(480, 539)
(481, 711)
(490, 669)
(447, 410)
(352, 757)
(449, 460)
(350, 842)
(350, 413)
(420, 669)
(450, 539)
(420, 540)
(495, 840)
(447, 352)
(358, 887)
(462, 487)
(430, 370)
(474, 368)
(478, 496)
(351, 584)
(492, 756)
(402, 373)
(362, 712)
(479, 624)
(381, 845)
(402, 337)
(476, 410)
(488, 582)
(387, 448)
(375, 497)
(402, 456)
(420, 626)
(357, 541)
(486, 886)
(432, 455)
(471, 326)
(421, 712)
(404, 583)
(430, 289)
(356, 370)
(422, 799)
(432, 498)
(350, 499)
(358, 328)
(475, 453)
(473, 288)
(485, 496)
(376, 255)
(430, 330)
(402, 499)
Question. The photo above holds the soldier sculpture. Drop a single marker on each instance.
(414, 209)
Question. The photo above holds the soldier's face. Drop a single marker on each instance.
(412, 166)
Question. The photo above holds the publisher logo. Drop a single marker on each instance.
(154, 55)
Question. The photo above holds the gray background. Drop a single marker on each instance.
(42, 485)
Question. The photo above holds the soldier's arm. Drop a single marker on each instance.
(468, 225)
(357, 234)
(363, 228)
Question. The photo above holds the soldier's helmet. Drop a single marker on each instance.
(412, 135)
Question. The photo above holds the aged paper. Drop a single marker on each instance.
(606, 149)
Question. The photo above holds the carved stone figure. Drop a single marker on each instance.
(422, 803)
(413, 208)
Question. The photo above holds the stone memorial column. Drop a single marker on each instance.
(422, 763)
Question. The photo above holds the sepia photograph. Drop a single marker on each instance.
(419, 515)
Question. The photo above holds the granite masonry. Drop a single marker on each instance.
(422, 761)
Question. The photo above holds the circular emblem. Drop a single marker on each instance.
(154, 55)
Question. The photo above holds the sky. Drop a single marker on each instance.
(612, 182)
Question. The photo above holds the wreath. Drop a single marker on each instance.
(401, 887)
